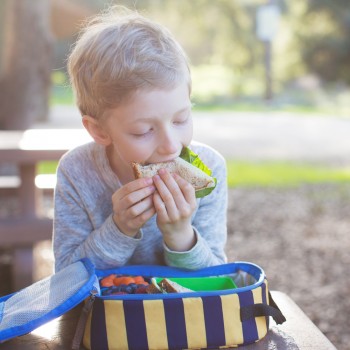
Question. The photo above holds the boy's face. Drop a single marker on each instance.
(151, 127)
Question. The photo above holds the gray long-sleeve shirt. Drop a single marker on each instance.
(83, 224)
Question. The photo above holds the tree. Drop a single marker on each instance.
(25, 62)
(325, 39)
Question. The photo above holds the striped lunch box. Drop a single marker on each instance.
(190, 320)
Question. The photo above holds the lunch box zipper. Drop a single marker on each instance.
(79, 332)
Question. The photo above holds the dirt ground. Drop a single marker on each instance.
(299, 236)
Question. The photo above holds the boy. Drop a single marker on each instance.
(132, 84)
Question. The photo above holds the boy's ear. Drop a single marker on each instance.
(95, 130)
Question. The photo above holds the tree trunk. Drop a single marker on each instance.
(25, 63)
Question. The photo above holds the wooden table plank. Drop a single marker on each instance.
(27, 191)
(39, 144)
(21, 232)
(298, 332)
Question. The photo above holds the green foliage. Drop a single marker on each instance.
(228, 59)
(61, 92)
(324, 36)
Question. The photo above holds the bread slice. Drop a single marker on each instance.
(173, 287)
(196, 177)
(153, 287)
(165, 286)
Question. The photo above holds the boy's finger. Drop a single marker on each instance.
(145, 216)
(140, 207)
(166, 187)
(135, 185)
(186, 188)
(172, 181)
(159, 206)
(138, 196)
(129, 200)
(171, 196)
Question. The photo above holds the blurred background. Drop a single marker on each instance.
(271, 93)
(295, 56)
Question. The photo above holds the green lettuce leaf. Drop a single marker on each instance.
(193, 158)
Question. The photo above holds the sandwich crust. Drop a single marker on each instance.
(136, 170)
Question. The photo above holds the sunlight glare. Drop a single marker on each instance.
(48, 330)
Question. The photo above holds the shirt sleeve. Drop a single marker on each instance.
(210, 226)
(76, 235)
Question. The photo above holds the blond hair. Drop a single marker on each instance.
(120, 52)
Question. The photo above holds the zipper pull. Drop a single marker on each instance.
(79, 332)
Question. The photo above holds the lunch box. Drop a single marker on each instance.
(230, 305)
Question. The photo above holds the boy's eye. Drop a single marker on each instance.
(181, 121)
(142, 134)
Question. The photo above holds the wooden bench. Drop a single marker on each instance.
(26, 149)
(42, 181)
(10, 184)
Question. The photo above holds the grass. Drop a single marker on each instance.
(281, 174)
(47, 167)
(269, 174)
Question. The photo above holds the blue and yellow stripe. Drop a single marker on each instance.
(173, 323)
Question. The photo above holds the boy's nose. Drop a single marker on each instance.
(168, 144)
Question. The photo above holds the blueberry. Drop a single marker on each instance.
(129, 289)
(122, 287)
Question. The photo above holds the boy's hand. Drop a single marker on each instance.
(175, 202)
(133, 205)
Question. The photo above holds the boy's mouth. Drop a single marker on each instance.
(166, 160)
(161, 161)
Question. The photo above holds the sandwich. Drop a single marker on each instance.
(165, 286)
(173, 287)
(188, 165)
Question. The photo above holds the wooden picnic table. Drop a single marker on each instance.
(26, 149)
(298, 332)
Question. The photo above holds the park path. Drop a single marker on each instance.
(256, 136)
